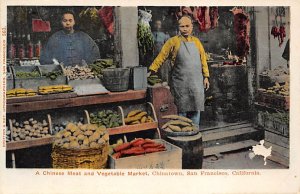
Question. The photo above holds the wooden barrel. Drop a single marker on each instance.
(192, 150)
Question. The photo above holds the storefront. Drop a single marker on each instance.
(106, 111)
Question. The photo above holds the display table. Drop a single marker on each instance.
(18, 105)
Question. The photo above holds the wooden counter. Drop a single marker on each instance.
(46, 102)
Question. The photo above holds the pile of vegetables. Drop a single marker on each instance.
(178, 124)
(33, 74)
(154, 79)
(137, 117)
(54, 89)
(20, 92)
(81, 136)
(52, 75)
(99, 65)
(108, 118)
(59, 127)
(283, 90)
(79, 72)
(137, 146)
(144, 34)
(29, 129)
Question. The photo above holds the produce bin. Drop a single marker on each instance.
(61, 118)
(138, 78)
(9, 79)
(27, 83)
(46, 81)
(169, 159)
(147, 107)
(21, 144)
(95, 110)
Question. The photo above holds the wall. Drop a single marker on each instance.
(269, 54)
(128, 23)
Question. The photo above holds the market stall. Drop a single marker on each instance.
(101, 106)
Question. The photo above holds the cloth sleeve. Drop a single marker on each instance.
(162, 56)
(47, 51)
(202, 53)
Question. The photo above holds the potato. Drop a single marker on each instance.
(26, 122)
(86, 141)
(27, 138)
(66, 140)
(46, 128)
(92, 127)
(66, 145)
(101, 141)
(35, 126)
(77, 132)
(72, 138)
(83, 127)
(22, 136)
(94, 145)
(106, 137)
(37, 131)
(88, 133)
(58, 135)
(48, 135)
(74, 144)
(67, 134)
(80, 137)
(72, 127)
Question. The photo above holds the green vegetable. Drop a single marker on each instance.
(53, 75)
(32, 74)
(145, 40)
(108, 118)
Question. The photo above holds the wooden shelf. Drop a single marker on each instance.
(52, 103)
(132, 128)
(16, 145)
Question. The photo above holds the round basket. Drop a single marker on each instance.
(85, 158)
(116, 79)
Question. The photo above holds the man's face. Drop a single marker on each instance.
(68, 22)
(157, 25)
(185, 26)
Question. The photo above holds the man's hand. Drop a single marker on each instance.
(206, 83)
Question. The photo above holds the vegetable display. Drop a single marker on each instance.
(98, 66)
(81, 136)
(53, 89)
(52, 75)
(283, 90)
(137, 146)
(78, 72)
(178, 124)
(137, 117)
(108, 118)
(144, 35)
(29, 129)
(59, 127)
(20, 92)
(32, 74)
(154, 79)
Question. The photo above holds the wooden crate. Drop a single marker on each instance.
(273, 100)
(279, 154)
(15, 145)
(277, 139)
(169, 159)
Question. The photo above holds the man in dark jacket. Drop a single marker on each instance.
(69, 46)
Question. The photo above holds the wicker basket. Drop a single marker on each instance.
(86, 158)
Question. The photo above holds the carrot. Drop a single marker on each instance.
(151, 145)
(151, 150)
(138, 143)
(133, 151)
(122, 147)
(136, 140)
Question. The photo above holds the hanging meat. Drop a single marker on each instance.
(106, 15)
(214, 17)
(202, 16)
(242, 31)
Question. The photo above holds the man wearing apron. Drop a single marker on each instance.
(189, 74)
